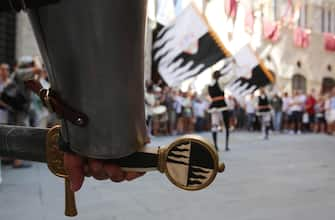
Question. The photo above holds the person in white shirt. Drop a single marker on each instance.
(296, 108)
(199, 110)
(330, 109)
(250, 109)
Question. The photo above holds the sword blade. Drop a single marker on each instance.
(23, 143)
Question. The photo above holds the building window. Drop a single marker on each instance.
(299, 83)
(328, 83)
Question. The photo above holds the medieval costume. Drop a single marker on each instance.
(218, 109)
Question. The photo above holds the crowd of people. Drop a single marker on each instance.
(172, 111)
(18, 105)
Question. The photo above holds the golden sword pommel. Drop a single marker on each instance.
(190, 162)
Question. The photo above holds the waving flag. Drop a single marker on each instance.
(329, 42)
(301, 38)
(186, 48)
(165, 11)
(271, 31)
(248, 73)
(249, 21)
(231, 8)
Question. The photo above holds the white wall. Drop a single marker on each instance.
(26, 44)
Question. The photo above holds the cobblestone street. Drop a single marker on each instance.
(288, 177)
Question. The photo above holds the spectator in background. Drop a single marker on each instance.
(250, 109)
(320, 115)
(4, 81)
(169, 99)
(18, 97)
(264, 111)
(240, 116)
(302, 100)
(43, 114)
(286, 112)
(310, 109)
(296, 113)
(331, 112)
(21, 101)
(150, 100)
(39, 114)
(231, 104)
(199, 109)
(277, 106)
(178, 106)
(188, 112)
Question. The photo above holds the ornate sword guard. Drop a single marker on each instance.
(190, 162)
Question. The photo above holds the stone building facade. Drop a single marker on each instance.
(298, 68)
(295, 68)
(309, 68)
(26, 44)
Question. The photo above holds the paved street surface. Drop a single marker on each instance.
(286, 178)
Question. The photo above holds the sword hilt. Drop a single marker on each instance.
(190, 163)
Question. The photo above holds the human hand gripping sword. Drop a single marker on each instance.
(189, 162)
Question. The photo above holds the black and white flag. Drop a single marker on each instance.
(245, 73)
(186, 48)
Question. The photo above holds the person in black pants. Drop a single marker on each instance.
(264, 111)
(218, 108)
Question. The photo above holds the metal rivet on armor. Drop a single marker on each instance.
(80, 121)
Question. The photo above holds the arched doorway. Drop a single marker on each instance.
(328, 83)
(299, 83)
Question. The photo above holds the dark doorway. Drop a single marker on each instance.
(299, 83)
(328, 83)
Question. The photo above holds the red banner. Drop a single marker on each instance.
(301, 37)
(271, 31)
(231, 8)
(249, 21)
(329, 42)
